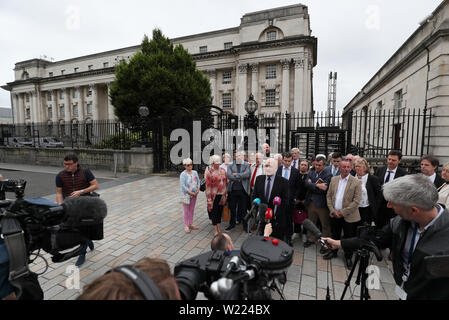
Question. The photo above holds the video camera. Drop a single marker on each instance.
(28, 225)
(251, 274)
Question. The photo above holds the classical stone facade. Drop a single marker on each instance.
(415, 77)
(271, 55)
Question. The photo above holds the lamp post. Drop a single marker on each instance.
(251, 120)
(144, 112)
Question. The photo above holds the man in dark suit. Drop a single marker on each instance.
(429, 167)
(386, 174)
(334, 167)
(290, 173)
(269, 186)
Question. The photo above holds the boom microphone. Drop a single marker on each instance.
(268, 215)
(82, 211)
(276, 202)
(312, 228)
(253, 211)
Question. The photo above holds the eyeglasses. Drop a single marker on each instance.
(68, 164)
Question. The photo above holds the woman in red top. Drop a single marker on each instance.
(216, 191)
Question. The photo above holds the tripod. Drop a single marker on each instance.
(362, 256)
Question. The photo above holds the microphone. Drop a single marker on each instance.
(276, 202)
(82, 211)
(261, 218)
(312, 228)
(253, 211)
(268, 215)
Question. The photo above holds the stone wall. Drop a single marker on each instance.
(133, 161)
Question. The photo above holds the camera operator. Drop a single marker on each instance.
(222, 241)
(420, 229)
(116, 285)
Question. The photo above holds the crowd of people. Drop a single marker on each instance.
(338, 193)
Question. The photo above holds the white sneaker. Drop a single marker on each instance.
(294, 236)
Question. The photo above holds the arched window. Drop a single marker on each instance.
(271, 34)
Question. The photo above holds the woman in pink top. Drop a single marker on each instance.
(216, 191)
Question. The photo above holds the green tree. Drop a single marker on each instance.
(163, 77)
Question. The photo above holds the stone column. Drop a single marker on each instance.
(298, 99)
(255, 82)
(285, 94)
(242, 94)
(35, 110)
(67, 107)
(307, 83)
(80, 99)
(111, 113)
(18, 109)
(95, 104)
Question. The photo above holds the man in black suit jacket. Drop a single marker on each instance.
(266, 188)
(429, 167)
(386, 174)
(290, 173)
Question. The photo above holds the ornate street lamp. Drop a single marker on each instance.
(251, 120)
(144, 112)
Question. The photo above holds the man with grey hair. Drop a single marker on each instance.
(420, 229)
(296, 154)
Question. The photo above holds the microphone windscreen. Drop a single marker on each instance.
(262, 208)
(277, 201)
(312, 228)
(269, 214)
(84, 211)
(256, 201)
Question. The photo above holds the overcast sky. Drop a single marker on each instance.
(355, 37)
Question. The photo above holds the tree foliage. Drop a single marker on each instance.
(164, 78)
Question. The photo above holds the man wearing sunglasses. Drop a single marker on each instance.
(74, 181)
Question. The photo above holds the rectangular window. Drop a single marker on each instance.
(90, 67)
(89, 92)
(50, 74)
(62, 111)
(227, 45)
(270, 97)
(61, 94)
(89, 108)
(27, 97)
(75, 93)
(106, 65)
(271, 71)
(227, 100)
(76, 69)
(75, 110)
(271, 35)
(227, 76)
(398, 99)
(203, 49)
(50, 112)
(49, 98)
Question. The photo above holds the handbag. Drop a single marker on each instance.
(299, 216)
(184, 198)
(226, 214)
(203, 185)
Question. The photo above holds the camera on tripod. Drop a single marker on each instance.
(259, 268)
(16, 186)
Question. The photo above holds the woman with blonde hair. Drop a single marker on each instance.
(443, 191)
(190, 186)
(371, 191)
(216, 191)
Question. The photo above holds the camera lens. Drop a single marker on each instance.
(188, 280)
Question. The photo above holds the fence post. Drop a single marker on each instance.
(349, 131)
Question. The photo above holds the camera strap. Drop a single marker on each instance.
(14, 238)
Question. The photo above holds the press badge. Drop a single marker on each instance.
(400, 293)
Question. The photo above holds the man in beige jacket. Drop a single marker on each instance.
(343, 198)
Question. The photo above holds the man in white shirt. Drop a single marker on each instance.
(343, 198)
(296, 158)
(429, 167)
(257, 169)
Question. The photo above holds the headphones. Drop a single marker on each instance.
(145, 284)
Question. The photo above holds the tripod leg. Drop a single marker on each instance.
(348, 280)
(364, 294)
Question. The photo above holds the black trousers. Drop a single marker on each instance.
(238, 204)
(383, 215)
(217, 210)
(365, 215)
(349, 230)
(289, 221)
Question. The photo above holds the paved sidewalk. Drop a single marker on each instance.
(145, 219)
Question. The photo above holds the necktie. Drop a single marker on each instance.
(267, 191)
(286, 173)
(254, 176)
(387, 179)
(294, 164)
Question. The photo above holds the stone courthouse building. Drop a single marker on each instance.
(415, 77)
(271, 54)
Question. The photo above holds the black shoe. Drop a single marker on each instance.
(330, 255)
(348, 262)
(230, 227)
(91, 245)
(238, 222)
(81, 260)
(323, 250)
(307, 244)
(290, 243)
